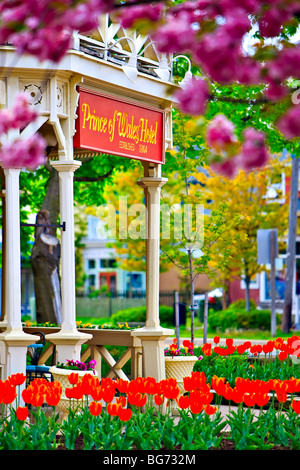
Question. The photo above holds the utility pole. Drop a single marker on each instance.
(205, 320)
(273, 278)
(177, 321)
(291, 249)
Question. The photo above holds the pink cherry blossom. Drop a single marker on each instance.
(23, 111)
(192, 98)
(249, 72)
(175, 35)
(19, 116)
(6, 120)
(227, 167)
(44, 29)
(217, 53)
(289, 123)
(237, 24)
(28, 153)
(128, 17)
(21, 153)
(249, 6)
(220, 132)
(270, 24)
(254, 153)
(275, 91)
(286, 64)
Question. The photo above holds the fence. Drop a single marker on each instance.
(105, 306)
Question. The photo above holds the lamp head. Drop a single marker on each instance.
(187, 78)
(163, 71)
(130, 69)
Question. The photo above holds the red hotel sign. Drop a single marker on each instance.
(114, 126)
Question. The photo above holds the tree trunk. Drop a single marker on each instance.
(290, 259)
(225, 296)
(45, 258)
(192, 295)
(247, 285)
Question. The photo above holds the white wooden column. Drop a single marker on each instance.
(68, 340)
(15, 341)
(152, 334)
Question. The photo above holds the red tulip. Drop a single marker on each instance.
(296, 406)
(125, 414)
(9, 393)
(249, 399)
(17, 379)
(73, 378)
(183, 402)
(37, 399)
(53, 398)
(95, 408)
(113, 409)
(22, 413)
(27, 395)
(196, 407)
(108, 394)
(159, 399)
(210, 410)
(137, 399)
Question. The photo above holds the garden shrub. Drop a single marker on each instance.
(138, 315)
(166, 314)
(241, 304)
(239, 319)
(216, 305)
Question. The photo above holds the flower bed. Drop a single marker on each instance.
(81, 324)
(77, 365)
(174, 350)
(130, 415)
(276, 359)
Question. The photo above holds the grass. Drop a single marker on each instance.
(257, 334)
(185, 331)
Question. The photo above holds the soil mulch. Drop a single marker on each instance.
(226, 444)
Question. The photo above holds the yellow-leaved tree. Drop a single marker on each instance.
(249, 197)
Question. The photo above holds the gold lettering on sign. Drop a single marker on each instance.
(148, 135)
(126, 127)
(95, 123)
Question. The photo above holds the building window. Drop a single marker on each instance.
(91, 263)
(254, 283)
(134, 281)
(92, 280)
(107, 263)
